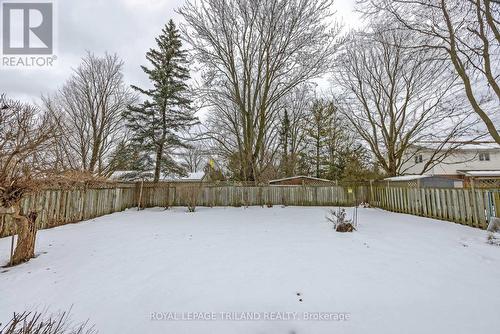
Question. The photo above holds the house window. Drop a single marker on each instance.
(484, 156)
(418, 158)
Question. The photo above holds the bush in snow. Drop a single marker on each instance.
(340, 222)
(493, 239)
(494, 225)
(191, 195)
(37, 323)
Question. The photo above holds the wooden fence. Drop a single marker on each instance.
(463, 206)
(165, 195)
(58, 206)
(62, 206)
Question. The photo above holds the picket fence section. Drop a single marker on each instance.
(463, 206)
(165, 195)
(62, 206)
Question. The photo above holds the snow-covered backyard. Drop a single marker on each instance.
(397, 274)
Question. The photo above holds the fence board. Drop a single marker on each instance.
(461, 206)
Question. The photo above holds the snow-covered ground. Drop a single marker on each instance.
(397, 274)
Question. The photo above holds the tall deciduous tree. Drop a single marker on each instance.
(396, 97)
(88, 111)
(253, 54)
(155, 123)
(465, 32)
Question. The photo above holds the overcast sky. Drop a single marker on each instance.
(125, 27)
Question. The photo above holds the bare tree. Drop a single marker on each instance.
(465, 32)
(253, 54)
(89, 108)
(396, 97)
(193, 158)
(25, 136)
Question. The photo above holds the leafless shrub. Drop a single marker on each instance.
(36, 323)
(340, 222)
(26, 136)
(192, 194)
(493, 239)
(494, 225)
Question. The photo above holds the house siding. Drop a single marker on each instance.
(459, 161)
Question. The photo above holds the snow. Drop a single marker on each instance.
(469, 146)
(406, 178)
(480, 146)
(191, 176)
(299, 177)
(130, 175)
(482, 173)
(397, 274)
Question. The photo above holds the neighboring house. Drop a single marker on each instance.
(301, 180)
(479, 156)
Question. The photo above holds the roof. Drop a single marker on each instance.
(461, 146)
(406, 178)
(300, 177)
(413, 177)
(195, 176)
(479, 146)
(130, 175)
(481, 173)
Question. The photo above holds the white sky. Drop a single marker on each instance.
(125, 27)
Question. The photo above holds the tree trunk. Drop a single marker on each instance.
(159, 156)
(26, 227)
(317, 156)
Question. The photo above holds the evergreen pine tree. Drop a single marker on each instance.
(130, 158)
(156, 122)
(317, 132)
(284, 140)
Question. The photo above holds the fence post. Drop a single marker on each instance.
(84, 203)
(139, 201)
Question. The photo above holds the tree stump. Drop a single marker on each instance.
(26, 231)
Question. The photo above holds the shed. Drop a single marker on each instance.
(424, 181)
(301, 180)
